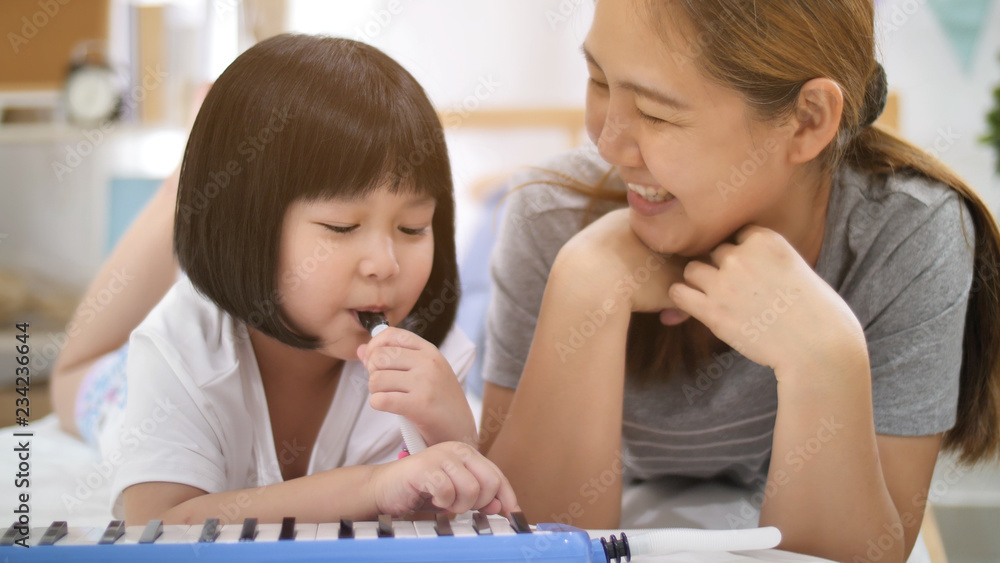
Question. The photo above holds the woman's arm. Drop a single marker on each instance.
(561, 443)
(827, 482)
(138, 273)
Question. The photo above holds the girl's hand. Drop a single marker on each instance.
(450, 476)
(764, 300)
(608, 257)
(410, 377)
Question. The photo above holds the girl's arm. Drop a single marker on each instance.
(450, 476)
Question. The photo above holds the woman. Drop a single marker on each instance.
(805, 279)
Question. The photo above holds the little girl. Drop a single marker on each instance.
(315, 185)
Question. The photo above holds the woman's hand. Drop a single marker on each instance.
(410, 377)
(607, 257)
(763, 299)
(450, 476)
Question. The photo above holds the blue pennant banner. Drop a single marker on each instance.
(962, 22)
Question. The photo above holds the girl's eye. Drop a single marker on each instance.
(414, 232)
(341, 230)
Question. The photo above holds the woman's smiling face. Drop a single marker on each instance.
(698, 166)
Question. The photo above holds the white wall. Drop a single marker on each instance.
(943, 108)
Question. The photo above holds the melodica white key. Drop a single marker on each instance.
(403, 529)
(268, 532)
(501, 526)
(230, 533)
(366, 530)
(178, 533)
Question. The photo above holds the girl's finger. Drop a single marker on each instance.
(489, 479)
(389, 401)
(398, 337)
(439, 486)
(495, 485)
(383, 381)
(389, 357)
(466, 487)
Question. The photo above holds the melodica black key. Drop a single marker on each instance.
(481, 524)
(346, 529)
(210, 531)
(54, 533)
(11, 535)
(114, 531)
(519, 523)
(287, 528)
(249, 532)
(443, 525)
(152, 531)
(385, 526)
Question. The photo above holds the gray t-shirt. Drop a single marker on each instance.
(895, 250)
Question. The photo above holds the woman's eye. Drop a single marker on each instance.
(598, 84)
(650, 118)
(341, 230)
(414, 232)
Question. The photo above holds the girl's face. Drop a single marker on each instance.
(342, 256)
(698, 168)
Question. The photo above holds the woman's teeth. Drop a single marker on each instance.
(650, 193)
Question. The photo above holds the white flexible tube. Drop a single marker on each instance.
(665, 540)
(411, 436)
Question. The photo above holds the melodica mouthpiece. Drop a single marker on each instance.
(374, 323)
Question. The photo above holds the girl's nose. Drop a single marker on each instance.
(380, 263)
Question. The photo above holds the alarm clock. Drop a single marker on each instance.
(92, 93)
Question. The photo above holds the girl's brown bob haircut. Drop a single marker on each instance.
(311, 118)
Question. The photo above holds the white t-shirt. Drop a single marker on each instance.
(196, 413)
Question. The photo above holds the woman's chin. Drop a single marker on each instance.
(656, 238)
